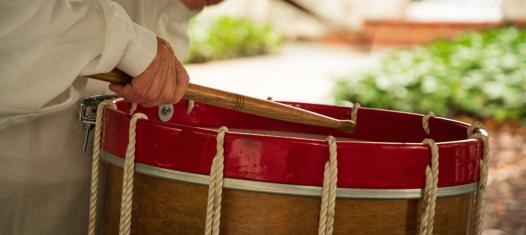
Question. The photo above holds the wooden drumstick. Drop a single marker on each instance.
(258, 107)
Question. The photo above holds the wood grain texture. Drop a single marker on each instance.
(162, 206)
(258, 107)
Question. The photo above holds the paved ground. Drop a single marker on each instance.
(299, 72)
(507, 181)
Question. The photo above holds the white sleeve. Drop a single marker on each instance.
(46, 45)
(169, 19)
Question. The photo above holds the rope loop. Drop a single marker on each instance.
(354, 113)
(476, 131)
(127, 177)
(430, 191)
(133, 108)
(328, 197)
(425, 121)
(190, 106)
(94, 187)
(215, 186)
(473, 128)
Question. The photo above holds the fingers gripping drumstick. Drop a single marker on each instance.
(258, 107)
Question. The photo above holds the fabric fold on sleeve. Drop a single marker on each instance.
(139, 53)
(46, 45)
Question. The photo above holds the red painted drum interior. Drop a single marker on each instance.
(385, 151)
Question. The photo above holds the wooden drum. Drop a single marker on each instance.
(275, 177)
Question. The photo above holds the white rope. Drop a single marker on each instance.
(215, 186)
(328, 199)
(95, 166)
(475, 132)
(127, 178)
(354, 113)
(430, 191)
(425, 122)
(133, 108)
(190, 106)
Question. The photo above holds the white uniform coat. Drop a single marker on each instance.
(44, 47)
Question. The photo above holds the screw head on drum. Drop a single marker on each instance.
(165, 112)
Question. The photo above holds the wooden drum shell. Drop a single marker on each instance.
(162, 206)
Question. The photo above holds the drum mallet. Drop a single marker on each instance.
(246, 104)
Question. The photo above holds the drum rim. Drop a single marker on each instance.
(316, 141)
(287, 189)
(116, 144)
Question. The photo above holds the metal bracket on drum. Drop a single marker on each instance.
(88, 113)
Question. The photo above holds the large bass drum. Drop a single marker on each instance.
(397, 173)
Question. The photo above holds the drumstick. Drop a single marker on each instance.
(246, 104)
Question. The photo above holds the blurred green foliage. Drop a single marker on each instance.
(480, 74)
(227, 37)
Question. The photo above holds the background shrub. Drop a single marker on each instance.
(227, 37)
(481, 74)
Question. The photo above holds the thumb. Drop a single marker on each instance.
(116, 88)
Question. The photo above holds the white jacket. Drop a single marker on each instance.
(44, 47)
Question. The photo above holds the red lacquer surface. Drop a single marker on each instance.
(385, 153)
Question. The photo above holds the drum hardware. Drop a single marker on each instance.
(165, 112)
(87, 115)
(254, 106)
(286, 189)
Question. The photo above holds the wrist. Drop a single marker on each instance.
(163, 45)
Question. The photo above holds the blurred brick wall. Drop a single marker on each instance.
(404, 33)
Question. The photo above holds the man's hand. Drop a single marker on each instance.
(163, 82)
